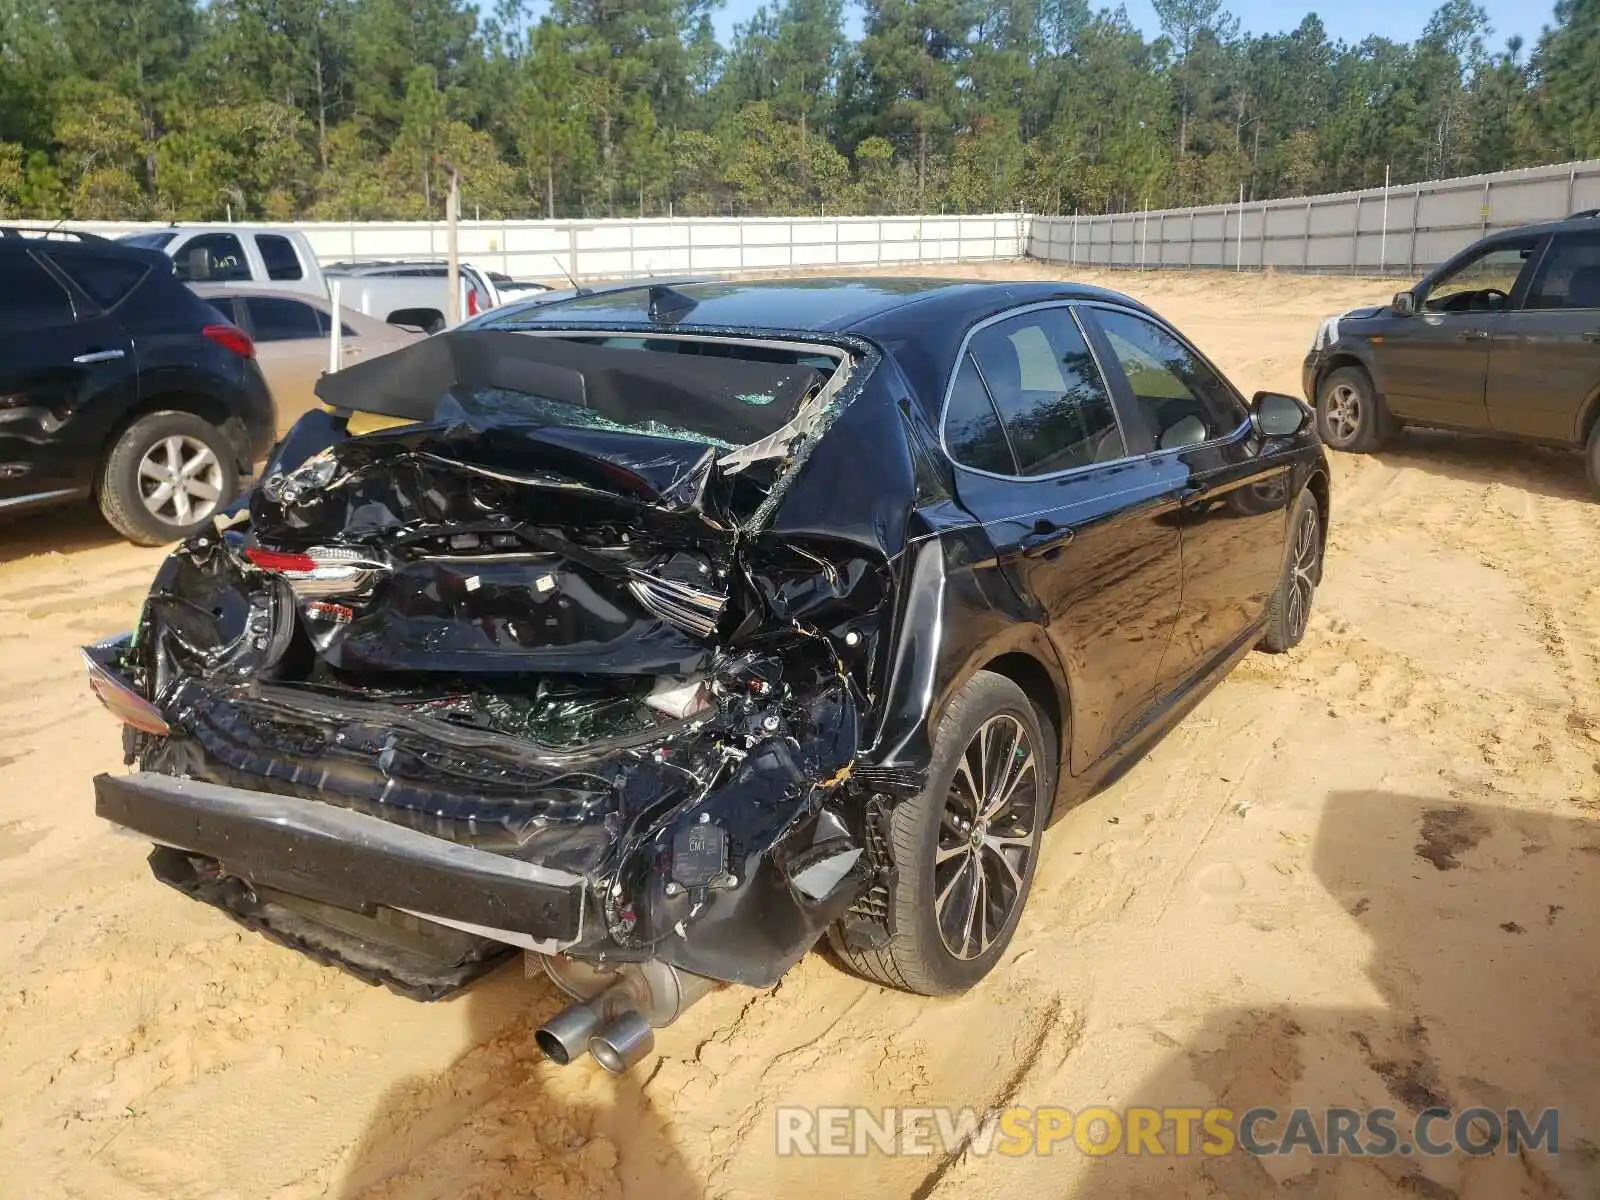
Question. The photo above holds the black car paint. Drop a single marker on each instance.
(1529, 374)
(145, 353)
(878, 581)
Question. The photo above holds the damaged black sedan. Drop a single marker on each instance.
(661, 632)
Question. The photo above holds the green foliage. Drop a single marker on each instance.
(353, 109)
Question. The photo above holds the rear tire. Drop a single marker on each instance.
(1351, 416)
(202, 479)
(956, 861)
(1289, 610)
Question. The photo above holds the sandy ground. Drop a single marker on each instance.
(1364, 873)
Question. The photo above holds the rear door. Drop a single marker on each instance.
(1432, 365)
(1233, 489)
(1544, 359)
(59, 352)
(291, 348)
(1085, 531)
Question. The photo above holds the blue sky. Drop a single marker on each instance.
(1351, 20)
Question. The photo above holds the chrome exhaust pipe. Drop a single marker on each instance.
(566, 1035)
(616, 1011)
(625, 1043)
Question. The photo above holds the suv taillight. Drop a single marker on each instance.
(472, 302)
(233, 338)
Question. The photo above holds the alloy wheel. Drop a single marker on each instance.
(1343, 414)
(1302, 572)
(988, 834)
(180, 480)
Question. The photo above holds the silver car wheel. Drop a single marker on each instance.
(180, 480)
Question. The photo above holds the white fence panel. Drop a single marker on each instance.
(1398, 229)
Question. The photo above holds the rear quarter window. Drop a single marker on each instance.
(106, 281)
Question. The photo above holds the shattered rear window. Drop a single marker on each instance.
(506, 405)
(724, 393)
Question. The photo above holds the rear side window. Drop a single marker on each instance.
(277, 252)
(106, 281)
(1183, 401)
(275, 320)
(212, 258)
(29, 297)
(1055, 407)
(1569, 277)
(972, 432)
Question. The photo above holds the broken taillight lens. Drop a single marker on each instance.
(127, 705)
(322, 571)
(280, 560)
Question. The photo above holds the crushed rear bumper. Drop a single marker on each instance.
(349, 859)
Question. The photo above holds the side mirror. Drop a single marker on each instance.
(1405, 303)
(1275, 415)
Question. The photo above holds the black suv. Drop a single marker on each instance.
(118, 383)
(1503, 339)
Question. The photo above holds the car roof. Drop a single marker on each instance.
(68, 243)
(818, 304)
(1579, 222)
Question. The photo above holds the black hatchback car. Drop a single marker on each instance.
(666, 630)
(1503, 339)
(118, 383)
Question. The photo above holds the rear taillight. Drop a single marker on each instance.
(322, 571)
(125, 704)
(472, 304)
(233, 338)
(280, 560)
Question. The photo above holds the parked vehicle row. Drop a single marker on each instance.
(669, 629)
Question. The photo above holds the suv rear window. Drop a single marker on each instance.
(278, 253)
(106, 281)
(29, 297)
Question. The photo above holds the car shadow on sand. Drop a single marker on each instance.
(501, 1121)
(1540, 469)
(1485, 952)
(65, 530)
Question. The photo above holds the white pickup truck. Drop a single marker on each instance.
(413, 294)
(240, 255)
(410, 294)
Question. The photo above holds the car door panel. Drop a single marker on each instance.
(1096, 554)
(1544, 360)
(1234, 526)
(1433, 365)
(56, 360)
(1232, 490)
(1087, 535)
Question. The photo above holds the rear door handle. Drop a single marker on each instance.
(99, 356)
(1047, 539)
(1472, 335)
(1591, 335)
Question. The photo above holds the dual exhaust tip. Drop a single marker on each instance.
(617, 1011)
(622, 1044)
